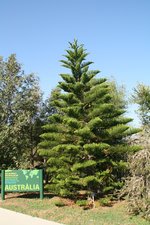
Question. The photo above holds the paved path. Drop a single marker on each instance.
(8, 217)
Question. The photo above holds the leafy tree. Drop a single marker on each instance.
(141, 97)
(118, 95)
(48, 107)
(85, 140)
(19, 114)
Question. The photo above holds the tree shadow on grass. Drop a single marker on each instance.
(28, 195)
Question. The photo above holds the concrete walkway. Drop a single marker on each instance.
(8, 217)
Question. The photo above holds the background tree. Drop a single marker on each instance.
(19, 114)
(118, 94)
(48, 107)
(138, 183)
(85, 140)
(141, 97)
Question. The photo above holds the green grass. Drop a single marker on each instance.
(71, 214)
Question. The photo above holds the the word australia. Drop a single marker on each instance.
(22, 187)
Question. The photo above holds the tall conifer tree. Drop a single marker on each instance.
(85, 141)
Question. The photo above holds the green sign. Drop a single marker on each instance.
(22, 181)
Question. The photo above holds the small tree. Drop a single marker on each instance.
(85, 140)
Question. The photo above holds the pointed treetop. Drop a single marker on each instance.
(75, 60)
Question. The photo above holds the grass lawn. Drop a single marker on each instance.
(70, 214)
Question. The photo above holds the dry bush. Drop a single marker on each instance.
(137, 185)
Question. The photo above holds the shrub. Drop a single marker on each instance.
(137, 185)
(59, 203)
(105, 201)
(81, 202)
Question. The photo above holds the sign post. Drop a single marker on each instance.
(41, 184)
(3, 184)
(22, 181)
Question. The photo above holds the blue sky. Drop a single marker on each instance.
(116, 33)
